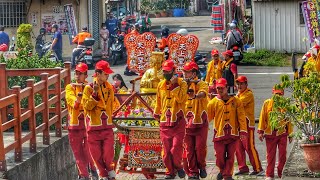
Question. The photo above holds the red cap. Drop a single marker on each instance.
(222, 82)
(242, 79)
(190, 65)
(82, 67)
(104, 66)
(228, 52)
(214, 52)
(168, 65)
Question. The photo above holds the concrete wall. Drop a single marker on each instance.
(55, 162)
(277, 26)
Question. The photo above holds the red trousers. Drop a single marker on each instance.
(79, 146)
(272, 143)
(101, 146)
(196, 146)
(225, 150)
(172, 141)
(247, 145)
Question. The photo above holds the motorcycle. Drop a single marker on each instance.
(118, 51)
(86, 52)
(45, 48)
(237, 54)
(201, 60)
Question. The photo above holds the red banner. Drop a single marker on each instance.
(139, 49)
(182, 49)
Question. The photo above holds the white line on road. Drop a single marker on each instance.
(268, 73)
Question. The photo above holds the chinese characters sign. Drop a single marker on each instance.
(182, 49)
(309, 10)
(71, 21)
(139, 49)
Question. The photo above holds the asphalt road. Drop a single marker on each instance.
(260, 79)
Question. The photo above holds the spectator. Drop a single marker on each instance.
(56, 46)
(4, 38)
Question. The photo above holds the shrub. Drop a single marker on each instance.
(24, 37)
(265, 58)
(26, 61)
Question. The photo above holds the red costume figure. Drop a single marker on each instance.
(76, 124)
(274, 137)
(197, 122)
(229, 124)
(98, 103)
(170, 110)
(247, 145)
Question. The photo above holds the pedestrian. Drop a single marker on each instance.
(275, 138)
(229, 71)
(56, 46)
(98, 103)
(76, 125)
(170, 111)
(4, 37)
(229, 126)
(112, 26)
(104, 35)
(233, 38)
(247, 145)
(197, 122)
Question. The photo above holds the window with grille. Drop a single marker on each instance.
(12, 12)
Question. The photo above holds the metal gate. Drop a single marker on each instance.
(94, 21)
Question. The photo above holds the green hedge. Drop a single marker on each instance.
(266, 58)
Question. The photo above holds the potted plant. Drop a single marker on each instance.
(302, 109)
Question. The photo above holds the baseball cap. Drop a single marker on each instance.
(168, 65)
(82, 67)
(104, 66)
(190, 65)
(222, 82)
(276, 90)
(228, 52)
(242, 79)
(214, 52)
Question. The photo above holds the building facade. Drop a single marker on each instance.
(279, 26)
(43, 13)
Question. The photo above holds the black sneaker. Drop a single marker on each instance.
(241, 173)
(168, 176)
(181, 173)
(203, 173)
(219, 176)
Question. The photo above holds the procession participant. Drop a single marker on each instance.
(247, 145)
(274, 137)
(98, 104)
(215, 66)
(170, 110)
(229, 126)
(197, 122)
(229, 70)
(214, 71)
(76, 125)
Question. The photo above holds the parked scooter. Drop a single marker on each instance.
(12, 46)
(86, 52)
(118, 51)
(201, 60)
(237, 54)
(45, 48)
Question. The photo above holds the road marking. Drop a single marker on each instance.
(274, 73)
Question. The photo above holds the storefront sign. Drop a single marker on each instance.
(71, 21)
